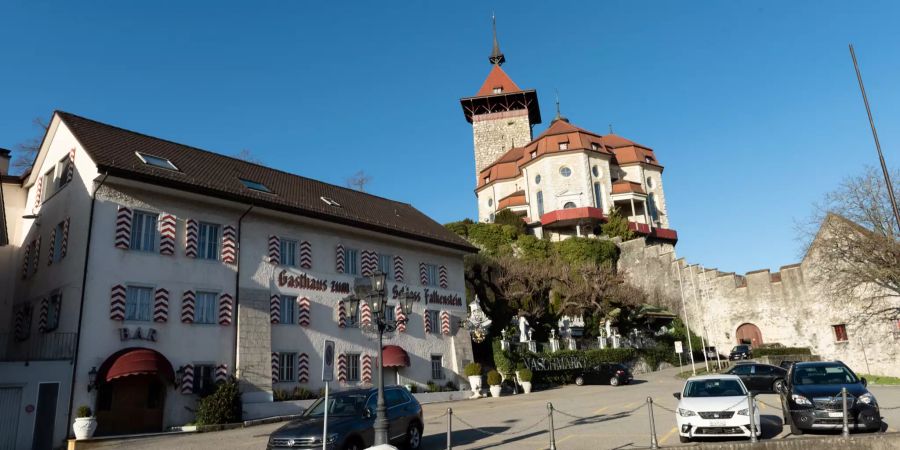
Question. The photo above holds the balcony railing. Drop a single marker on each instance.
(38, 347)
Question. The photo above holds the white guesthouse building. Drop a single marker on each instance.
(138, 272)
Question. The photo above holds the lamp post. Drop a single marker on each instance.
(375, 295)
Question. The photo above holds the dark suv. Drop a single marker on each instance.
(351, 418)
(604, 373)
(811, 398)
(742, 351)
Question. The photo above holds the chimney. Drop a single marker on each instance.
(4, 161)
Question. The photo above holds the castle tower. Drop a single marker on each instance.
(501, 114)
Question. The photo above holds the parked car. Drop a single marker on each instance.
(786, 364)
(759, 377)
(604, 373)
(811, 398)
(742, 351)
(711, 353)
(351, 417)
(714, 406)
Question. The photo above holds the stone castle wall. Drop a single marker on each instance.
(496, 133)
(786, 306)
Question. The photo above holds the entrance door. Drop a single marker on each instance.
(748, 334)
(10, 409)
(45, 419)
(129, 405)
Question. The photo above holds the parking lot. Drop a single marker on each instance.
(586, 417)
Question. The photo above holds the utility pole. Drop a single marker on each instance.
(686, 326)
(703, 320)
(884, 169)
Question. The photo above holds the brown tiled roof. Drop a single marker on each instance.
(497, 78)
(515, 199)
(624, 187)
(113, 150)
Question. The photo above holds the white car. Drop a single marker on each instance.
(714, 406)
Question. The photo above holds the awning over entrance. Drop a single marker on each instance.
(136, 361)
(394, 356)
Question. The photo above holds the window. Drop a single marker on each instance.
(490, 202)
(286, 366)
(840, 332)
(390, 312)
(651, 205)
(353, 367)
(330, 201)
(742, 369)
(138, 301)
(533, 154)
(596, 171)
(563, 145)
(53, 312)
(565, 171)
(569, 205)
(598, 196)
(47, 184)
(289, 252)
(143, 231)
(353, 316)
(537, 179)
(394, 397)
(62, 168)
(435, 318)
(540, 203)
(487, 180)
(385, 265)
(203, 379)
(431, 273)
(288, 309)
(351, 261)
(207, 303)
(595, 146)
(255, 185)
(156, 161)
(437, 367)
(498, 90)
(57, 242)
(491, 218)
(209, 241)
(650, 182)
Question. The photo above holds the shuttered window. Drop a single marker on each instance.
(207, 305)
(351, 259)
(208, 239)
(143, 231)
(434, 316)
(138, 302)
(289, 252)
(353, 367)
(286, 366)
(385, 265)
(288, 309)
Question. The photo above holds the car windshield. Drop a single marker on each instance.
(740, 348)
(823, 375)
(341, 405)
(714, 387)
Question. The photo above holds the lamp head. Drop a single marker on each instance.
(379, 279)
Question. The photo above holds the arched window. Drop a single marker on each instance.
(651, 206)
(596, 171)
(565, 171)
(540, 203)
(569, 205)
(537, 179)
(598, 196)
(650, 182)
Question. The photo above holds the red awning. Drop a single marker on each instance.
(136, 361)
(394, 356)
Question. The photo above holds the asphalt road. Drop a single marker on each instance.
(586, 417)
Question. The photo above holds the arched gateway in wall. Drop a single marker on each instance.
(748, 334)
(131, 391)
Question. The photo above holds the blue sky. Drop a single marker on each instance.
(752, 107)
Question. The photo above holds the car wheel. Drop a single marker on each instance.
(414, 437)
(614, 381)
(579, 381)
(353, 445)
(795, 430)
(776, 386)
(684, 439)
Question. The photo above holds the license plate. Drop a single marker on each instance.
(717, 423)
(835, 414)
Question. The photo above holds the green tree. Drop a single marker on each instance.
(507, 217)
(617, 226)
(579, 250)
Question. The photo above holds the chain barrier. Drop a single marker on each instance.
(500, 433)
(592, 417)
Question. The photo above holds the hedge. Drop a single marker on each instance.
(588, 358)
(774, 351)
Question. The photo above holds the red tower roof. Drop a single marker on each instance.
(497, 78)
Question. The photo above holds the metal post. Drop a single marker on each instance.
(653, 442)
(449, 428)
(552, 434)
(685, 314)
(752, 411)
(381, 421)
(845, 431)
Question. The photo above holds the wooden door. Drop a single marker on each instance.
(130, 405)
(748, 334)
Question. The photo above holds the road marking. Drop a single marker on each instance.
(668, 435)
(762, 406)
(558, 441)
(600, 410)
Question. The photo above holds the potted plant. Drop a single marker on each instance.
(525, 379)
(85, 423)
(473, 372)
(494, 379)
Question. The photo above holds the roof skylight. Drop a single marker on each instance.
(330, 201)
(156, 161)
(255, 185)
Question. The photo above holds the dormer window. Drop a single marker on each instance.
(255, 185)
(330, 201)
(533, 154)
(648, 159)
(595, 146)
(498, 90)
(156, 161)
(487, 179)
(563, 145)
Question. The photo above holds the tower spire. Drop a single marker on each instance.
(496, 55)
(559, 115)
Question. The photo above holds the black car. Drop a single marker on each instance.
(351, 417)
(742, 351)
(759, 377)
(786, 364)
(811, 398)
(604, 373)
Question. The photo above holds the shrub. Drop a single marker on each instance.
(507, 217)
(473, 369)
(532, 248)
(433, 387)
(223, 406)
(771, 351)
(413, 388)
(580, 250)
(504, 365)
(617, 226)
(84, 411)
(451, 386)
(494, 378)
(525, 375)
(280, 395)
(302, 393)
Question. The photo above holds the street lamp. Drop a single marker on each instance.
(375, 295)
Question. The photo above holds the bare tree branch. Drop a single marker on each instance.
(27, 151)
(359, 180)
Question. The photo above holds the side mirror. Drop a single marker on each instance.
(368, 413)
(677, 395)
(864, 381)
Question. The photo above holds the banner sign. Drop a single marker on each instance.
(678, 347)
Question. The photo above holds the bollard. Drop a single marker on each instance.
(449, 428)
(552, 434)
(752, 411)
(653, 441)
(845, 431)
